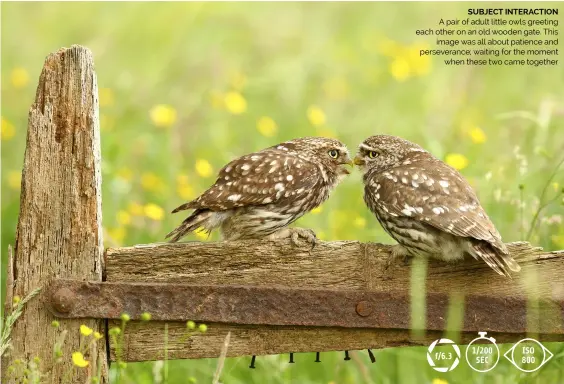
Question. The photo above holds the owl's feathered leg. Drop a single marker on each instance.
(398, 251)
(295, 233)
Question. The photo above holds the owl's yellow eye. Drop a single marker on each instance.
(373, 154)
(334, 153)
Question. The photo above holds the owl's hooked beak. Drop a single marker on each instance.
(347, 162)
(358, 160)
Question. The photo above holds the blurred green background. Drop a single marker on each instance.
(186, 87)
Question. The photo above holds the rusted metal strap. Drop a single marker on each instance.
(261, 305)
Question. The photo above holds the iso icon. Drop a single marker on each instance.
(434, 356)
(528, 355)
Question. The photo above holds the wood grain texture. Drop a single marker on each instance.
(342, 265)
(59, 231)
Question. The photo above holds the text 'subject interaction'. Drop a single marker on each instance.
(496, 36)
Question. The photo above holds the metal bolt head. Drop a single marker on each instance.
(364, 308)
(63, 300)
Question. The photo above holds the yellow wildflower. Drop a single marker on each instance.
(316, 210)
(16, 300)
(125, 173)
(135, 209)
(399, 68)
(204, 168)
(106, 97)
(78, 360)
(201, 234)
(151, 182)
(477, 135)
(389, 47)
(266, 126)
(123, 217)
(86, 331)
(97, 335)
(420, 65)
(19, 77)
(359, 222)
(203, 328)
(163, 115)
(7, 130)
(235, 102)
(316, 115)
(117, 234)
(185, 191)
(153, 211)
(190, 324)
(456, 160)
(15, 179)
(238, 81)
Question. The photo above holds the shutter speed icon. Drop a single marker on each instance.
(528, 354)
(482, 353)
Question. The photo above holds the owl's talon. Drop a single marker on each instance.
(397, 251)
(305, 233)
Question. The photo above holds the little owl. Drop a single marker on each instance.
(258, 195)
(426, 205)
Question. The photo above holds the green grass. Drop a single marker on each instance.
(355, 62)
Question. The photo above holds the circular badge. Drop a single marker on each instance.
(445, 359)
(482, 354)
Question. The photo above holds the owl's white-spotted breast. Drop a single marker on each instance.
(258, 195)
(426, 205)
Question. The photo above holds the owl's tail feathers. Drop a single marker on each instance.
(197, 219)
(499, 261)
(184, 207)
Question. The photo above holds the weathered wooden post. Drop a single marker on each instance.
(59, 231)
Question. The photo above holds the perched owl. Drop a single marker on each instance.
(258, 195)
(426, 205)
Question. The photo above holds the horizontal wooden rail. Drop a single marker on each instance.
(342, 266)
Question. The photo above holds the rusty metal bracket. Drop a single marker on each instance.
(261, 305)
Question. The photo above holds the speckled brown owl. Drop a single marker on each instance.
(258, 195)
(426, 205)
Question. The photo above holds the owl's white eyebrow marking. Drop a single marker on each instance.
(234, 197)
(365, 147)
(289, 177)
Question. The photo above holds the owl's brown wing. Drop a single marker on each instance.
(257, 179)
(436, 195)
